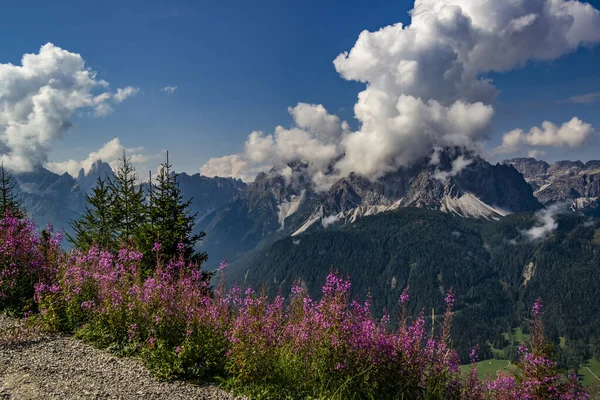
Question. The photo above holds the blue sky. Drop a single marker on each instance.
(238, 66)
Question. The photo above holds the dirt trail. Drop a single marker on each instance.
(40, 366)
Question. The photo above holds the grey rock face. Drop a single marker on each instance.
(571, 181)
(478, 190)
(88, 181)
(50, 198)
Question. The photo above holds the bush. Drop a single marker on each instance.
(27, 259)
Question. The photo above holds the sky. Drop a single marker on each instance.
(231, 87)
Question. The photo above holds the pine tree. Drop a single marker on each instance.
(128, 210)
(97, 225)
(8, 199)
(170, 219)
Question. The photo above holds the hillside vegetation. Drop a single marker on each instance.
(494, 268)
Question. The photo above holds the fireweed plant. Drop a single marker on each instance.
(331, 348)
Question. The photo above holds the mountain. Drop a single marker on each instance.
(269, 208)
(571, 181)
(87, 181)
(479, 190)
(208, 194)
(496, 270)
(284, 203)
(50, 198)
(59, 199)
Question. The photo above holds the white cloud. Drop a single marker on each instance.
(546, 223)
(234, 166)
(332, 219)
(458, 165)
(587, 98)
(169, 89)
(124, 93)
(537, 154)
(110, 153)
(314, 138)
(38, 99)
(570, 134)
(426, 86)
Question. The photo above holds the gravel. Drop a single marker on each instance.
(34, 365)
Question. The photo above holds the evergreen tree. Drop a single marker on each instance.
(97, 225)
(170, 220)
(8, 199)
(128, 209)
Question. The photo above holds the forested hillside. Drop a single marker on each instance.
(493, 266)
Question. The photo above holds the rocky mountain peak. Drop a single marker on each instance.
(99, 169)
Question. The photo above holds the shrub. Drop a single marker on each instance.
(27, 259)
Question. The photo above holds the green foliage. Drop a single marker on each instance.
(9, 202)
(119, 213)
(97, 226)
(128, 210)
(169, 220)
(432, 251)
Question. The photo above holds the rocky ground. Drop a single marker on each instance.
(35, 365)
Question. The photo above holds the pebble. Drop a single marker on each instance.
(61, 367)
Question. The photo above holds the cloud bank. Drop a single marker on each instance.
(426, 87)
(110, 153)
(39, 98)
(570, 134)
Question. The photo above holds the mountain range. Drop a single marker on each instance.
(452, 220)
(58, 199)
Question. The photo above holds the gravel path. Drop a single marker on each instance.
(38, 366)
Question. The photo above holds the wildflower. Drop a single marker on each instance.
(537, 307)
(404, 297)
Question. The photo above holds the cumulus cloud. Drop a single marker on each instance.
(169, 89)
(546, 223)
(234, 166)
(38, 99)
(570, 134)
(110, 153)
(426, 85)
(314, 138)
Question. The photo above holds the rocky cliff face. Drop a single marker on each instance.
(50, 198)
(270, 207)
(59, 199)
(564, 181)
(477, 190)
(88, 181)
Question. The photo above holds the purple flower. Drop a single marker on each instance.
(404, 297)
(449, 300)
(156, 247)
(537, 308)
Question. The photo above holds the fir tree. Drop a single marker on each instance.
(9, 202)
(170, 219)
(128, 210)
(97, 225)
